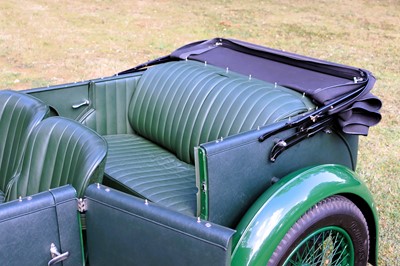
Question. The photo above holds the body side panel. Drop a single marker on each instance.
(239, 169)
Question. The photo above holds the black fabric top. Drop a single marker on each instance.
(337, 89)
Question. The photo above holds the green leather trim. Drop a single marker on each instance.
(19, 114)
(60, 151)
(62, 97)
(124, 230)
(144, 169)
(110, 100)
(239, 170)
(28, 227)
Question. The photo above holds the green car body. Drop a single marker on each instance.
(285, 202)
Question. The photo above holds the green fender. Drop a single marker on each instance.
(276, 211)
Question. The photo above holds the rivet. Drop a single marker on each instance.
(276, 84)
(205, 63)
(198, 220)
(227, 70)
(249, 77)
(20, 198)
(98, 185)
(146, 202)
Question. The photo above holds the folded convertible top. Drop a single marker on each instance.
(337, 89)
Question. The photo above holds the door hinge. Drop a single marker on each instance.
(82, 205)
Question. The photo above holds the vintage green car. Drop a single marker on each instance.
(221, 153)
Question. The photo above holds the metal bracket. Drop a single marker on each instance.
(82, 205)
(303, 133)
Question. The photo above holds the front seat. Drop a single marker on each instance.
(60, 151)
(19, 114)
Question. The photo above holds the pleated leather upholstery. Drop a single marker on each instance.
(151, 172)
(167, 100)
(238, 105)
(19, 114)
(111, 99)
(60, 151)
(177, 106)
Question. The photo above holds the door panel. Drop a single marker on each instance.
(70, 100)
(29, 226)
(125, 230)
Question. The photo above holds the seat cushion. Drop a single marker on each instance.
(144, 169)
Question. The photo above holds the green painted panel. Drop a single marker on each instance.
(275, 212)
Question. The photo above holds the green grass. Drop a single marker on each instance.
(53, 42)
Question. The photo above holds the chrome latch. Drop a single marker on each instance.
(56, 255)
(78, 105)
(82, 205)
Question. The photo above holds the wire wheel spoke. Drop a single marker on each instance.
(327, 246)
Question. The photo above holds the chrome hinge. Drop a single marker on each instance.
(203, 186)
(82, 205)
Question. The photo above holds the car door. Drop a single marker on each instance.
(126, 230)
(43, 229)
(121, 230)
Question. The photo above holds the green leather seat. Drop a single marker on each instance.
(60, 151)
(19, 114)
(177, 106)
(142, 168)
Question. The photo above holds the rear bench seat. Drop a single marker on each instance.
(175, 107)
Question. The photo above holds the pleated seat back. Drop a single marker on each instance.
(60, 151)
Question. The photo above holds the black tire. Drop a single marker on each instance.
(319, 225)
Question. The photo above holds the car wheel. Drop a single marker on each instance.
(332, 232)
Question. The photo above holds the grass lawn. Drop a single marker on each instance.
(53, 42)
